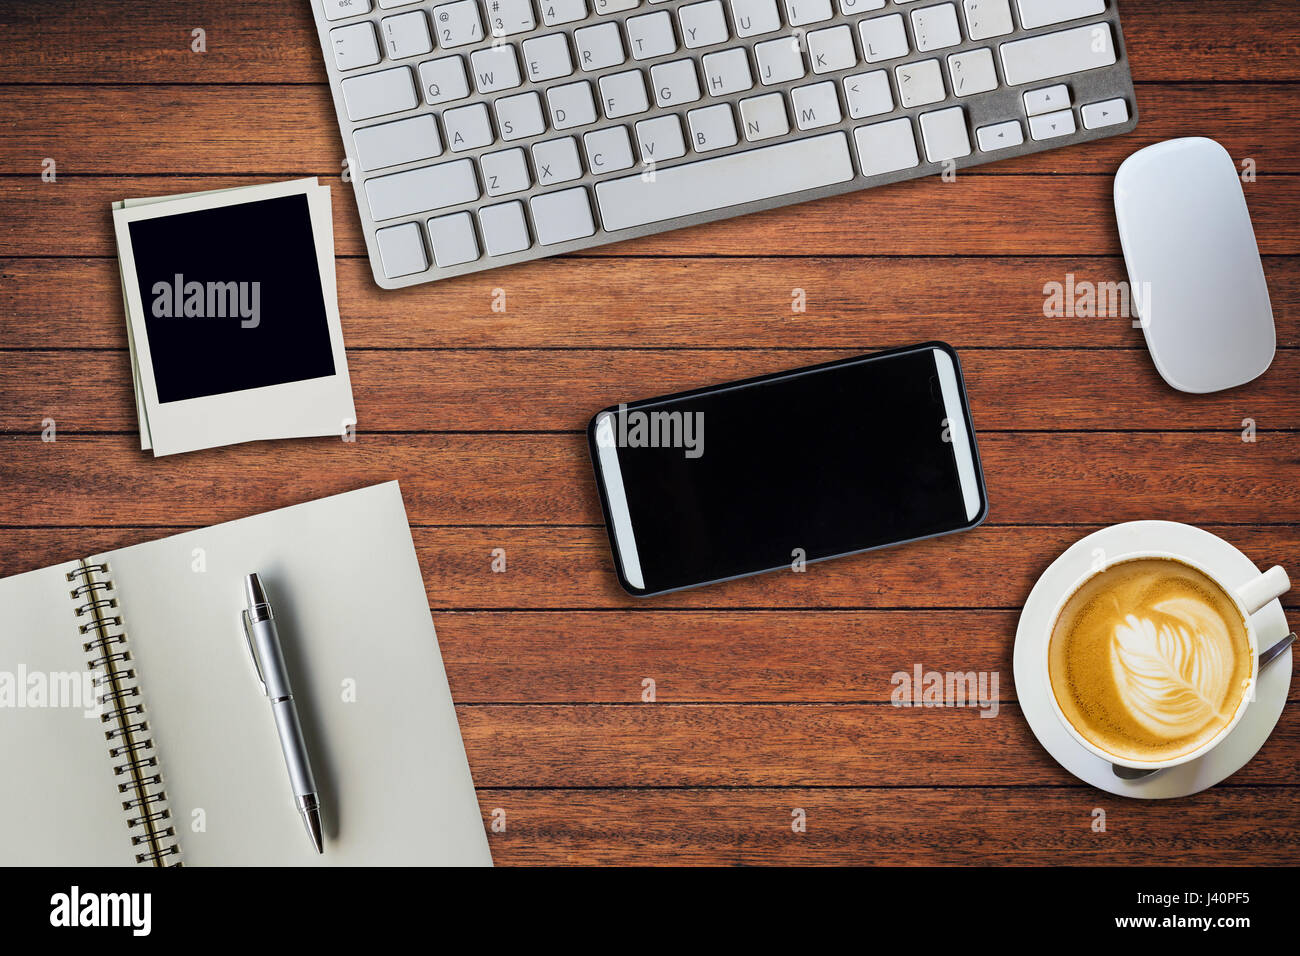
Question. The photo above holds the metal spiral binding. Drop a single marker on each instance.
(127, 728)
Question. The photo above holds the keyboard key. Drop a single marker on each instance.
(555, 12)
(504, 228)
(883, 38)
(972, 72)
(764, 117)
(723, 181)
(1058, 54)
(831, 50)
(727, 72)
(755, 17)
(851, 7)
(1047, 100)
(495, 68)
(1105, 113)
(675, 83)
(886, 147)
(986, 19)
(778, 61)
(868, 94)
(457, 23)
(406, 35)
(802, 12)
(562, 216)
(355, 46)
(377, 94)
(520, 116)
(599, 46)
(660, 139)
(571, 105)
(944, 132)
(422, 190)
(392, 144)
(444, 80)
(623, 94)
(556, 161)
(614, 6)
(651, 35)
(816, 105)
(703, 24)
(919, 83)
(504, 172)
(508, 17)
(401, 250)
(712, 128)
(338, 9)
(608, 150)
(1040, 13)
(547, 58)
(935, 27)
(468, 127)
(1051, 125)
(452, 238)
(1000, 136)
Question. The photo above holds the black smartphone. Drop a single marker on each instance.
(786, 469)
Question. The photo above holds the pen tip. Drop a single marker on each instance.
(314, 830)
(256, 593)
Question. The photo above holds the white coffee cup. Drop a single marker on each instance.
(1249, 598)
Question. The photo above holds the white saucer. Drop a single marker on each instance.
(1215, 555)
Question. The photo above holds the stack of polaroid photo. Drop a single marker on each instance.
(232, 316)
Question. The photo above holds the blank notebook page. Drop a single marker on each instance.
(353, 618)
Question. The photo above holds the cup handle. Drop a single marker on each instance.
(1273, 583)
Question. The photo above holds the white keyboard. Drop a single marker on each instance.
(481, 133)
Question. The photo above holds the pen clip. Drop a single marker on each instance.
(252, 652)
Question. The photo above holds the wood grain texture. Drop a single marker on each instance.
(569, 568)
(621, 303)
(547, 478)
(469, 391)
(902, 826)
(772, 693)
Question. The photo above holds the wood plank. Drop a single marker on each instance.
(893, 827)
(906, 219)
(458, 391)
(188, 129)
(253, 41)
(721, 656)
(790, 745)
(570, 568)
(585, 303)
(1032, 478)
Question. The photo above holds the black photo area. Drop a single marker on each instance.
(207, 262)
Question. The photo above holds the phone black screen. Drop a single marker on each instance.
(808, 464)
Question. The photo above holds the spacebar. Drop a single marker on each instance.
(724, 181)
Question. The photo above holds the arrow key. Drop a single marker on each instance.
(1047, 100)
(1051, 125)
(1106, 113)
(1000, 136)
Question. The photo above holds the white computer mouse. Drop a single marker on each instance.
(1194, 272)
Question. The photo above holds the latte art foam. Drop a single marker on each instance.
(1149, 659)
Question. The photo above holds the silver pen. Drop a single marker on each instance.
(264, 646)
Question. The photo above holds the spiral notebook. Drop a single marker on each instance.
(173, 758)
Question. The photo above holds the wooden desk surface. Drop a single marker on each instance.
(772, 693)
